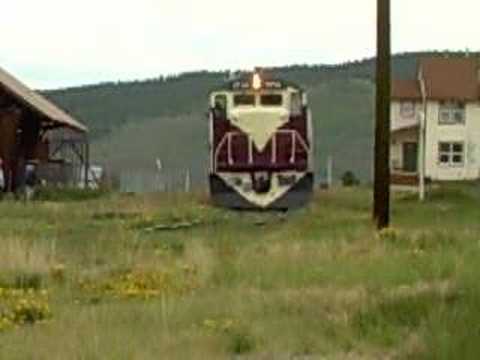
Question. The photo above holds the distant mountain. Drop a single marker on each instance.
(133, 123)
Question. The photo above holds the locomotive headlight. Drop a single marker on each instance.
(256, 82)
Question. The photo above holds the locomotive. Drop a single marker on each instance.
(261, 144)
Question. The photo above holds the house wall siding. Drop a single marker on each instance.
(397, 121)
(401, 136)
(469, 134)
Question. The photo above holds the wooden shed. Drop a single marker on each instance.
(28, 121)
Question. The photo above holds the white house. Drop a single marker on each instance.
(435, 124)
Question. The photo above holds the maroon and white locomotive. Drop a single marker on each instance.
(261, 144)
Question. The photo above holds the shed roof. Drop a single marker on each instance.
(38, 102)
(406, 90)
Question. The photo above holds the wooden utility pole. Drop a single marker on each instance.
(382, 121)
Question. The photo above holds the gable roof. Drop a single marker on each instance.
(450, 78)
(38, 102)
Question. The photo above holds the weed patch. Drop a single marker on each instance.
(22, 307)
(55, 194)
(143, 284)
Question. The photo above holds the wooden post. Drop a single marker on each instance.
(87, 163)
(187, 181)
(330, 172)
(421, 157)
(382, 123)
(422, 136)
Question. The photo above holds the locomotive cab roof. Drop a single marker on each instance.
(247, 82)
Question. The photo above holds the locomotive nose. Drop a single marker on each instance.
(259, 123)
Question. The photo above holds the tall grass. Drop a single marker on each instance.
(320, 283)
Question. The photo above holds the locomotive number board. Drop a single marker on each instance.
(268, 84)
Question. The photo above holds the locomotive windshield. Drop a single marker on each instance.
(271, 100)
(264, 100)
(244, 100)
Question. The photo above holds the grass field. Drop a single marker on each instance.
(108, 279)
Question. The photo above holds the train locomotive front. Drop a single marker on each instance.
(261, 144)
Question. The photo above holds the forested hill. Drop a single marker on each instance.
(106, 107)
(132, 123)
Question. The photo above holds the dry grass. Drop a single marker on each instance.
(24, 255)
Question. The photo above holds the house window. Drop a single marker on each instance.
(451, 113)
(451, 153)
(407, 109)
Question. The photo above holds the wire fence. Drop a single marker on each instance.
(145, 181)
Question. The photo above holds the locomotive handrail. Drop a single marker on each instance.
(229, 153)
(295, 135)
(227, 138)
(218, 148)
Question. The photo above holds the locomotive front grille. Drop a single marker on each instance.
(286, 150)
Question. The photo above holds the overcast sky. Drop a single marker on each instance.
(58, 43)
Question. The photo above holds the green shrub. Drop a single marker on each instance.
(22, 280)
(29, 281)
(349, 179)
(241, 342)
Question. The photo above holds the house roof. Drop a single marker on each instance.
(406, 90)
(38, 103)
(451, 78)
(445, 79)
